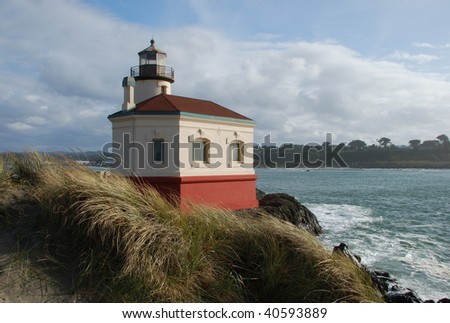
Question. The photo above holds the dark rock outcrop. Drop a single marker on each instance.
(286, 207)
(344, 250)
(388, 286)
(402, 295)
(394, 293)
(260, 194)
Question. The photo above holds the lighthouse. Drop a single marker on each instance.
(192, 149)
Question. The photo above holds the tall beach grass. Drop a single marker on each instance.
(5, 174)
(125, 243)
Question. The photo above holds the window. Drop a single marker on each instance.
(200, 151)
(158, 150)
(235, 152)
(160, 59)
(148, 58)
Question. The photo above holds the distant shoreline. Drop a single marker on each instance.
(361, 167)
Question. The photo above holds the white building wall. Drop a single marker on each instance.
(220, 133)
(179, 133)
(120, 127)
(142, 130)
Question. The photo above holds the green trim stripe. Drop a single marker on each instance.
(186, 114)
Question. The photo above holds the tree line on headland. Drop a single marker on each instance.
(441, 143)
(433, 153)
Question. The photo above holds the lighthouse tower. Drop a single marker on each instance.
(192, 149)
(151, 77)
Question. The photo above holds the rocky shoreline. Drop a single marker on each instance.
(388, 285)
(287, 208)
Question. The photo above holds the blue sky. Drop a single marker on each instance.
(357, 69)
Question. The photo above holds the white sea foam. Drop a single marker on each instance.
(341, 217)
(350, 224)
(428, 263)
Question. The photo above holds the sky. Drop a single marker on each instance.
(357, 69)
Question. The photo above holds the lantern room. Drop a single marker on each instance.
(152, 64)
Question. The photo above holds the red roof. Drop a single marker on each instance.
(174, 103)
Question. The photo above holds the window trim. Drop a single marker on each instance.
(205, 150)
(240, 157)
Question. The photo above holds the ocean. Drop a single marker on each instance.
(397, 220)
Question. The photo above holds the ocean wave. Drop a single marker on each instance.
(341, 217)
(428, 264)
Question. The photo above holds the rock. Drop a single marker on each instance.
(382, 279)
(260, 194)
(343, 249)
(402, 295)
(444, 300)
(286, 207)
(382, 274)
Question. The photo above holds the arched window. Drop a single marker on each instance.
(235, 151)
(200, 150)
(158, 150)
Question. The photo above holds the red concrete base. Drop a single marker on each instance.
(226, 191)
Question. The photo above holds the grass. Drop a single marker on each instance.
(5, 175)
(123, 243)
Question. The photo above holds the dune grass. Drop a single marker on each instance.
(123, 243)
(5, 174)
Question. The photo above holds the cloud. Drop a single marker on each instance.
(418, 58)
(424, 45)
(38, 121)
(266, 37)
(60, 80)
(19, 126)
(32, 98)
